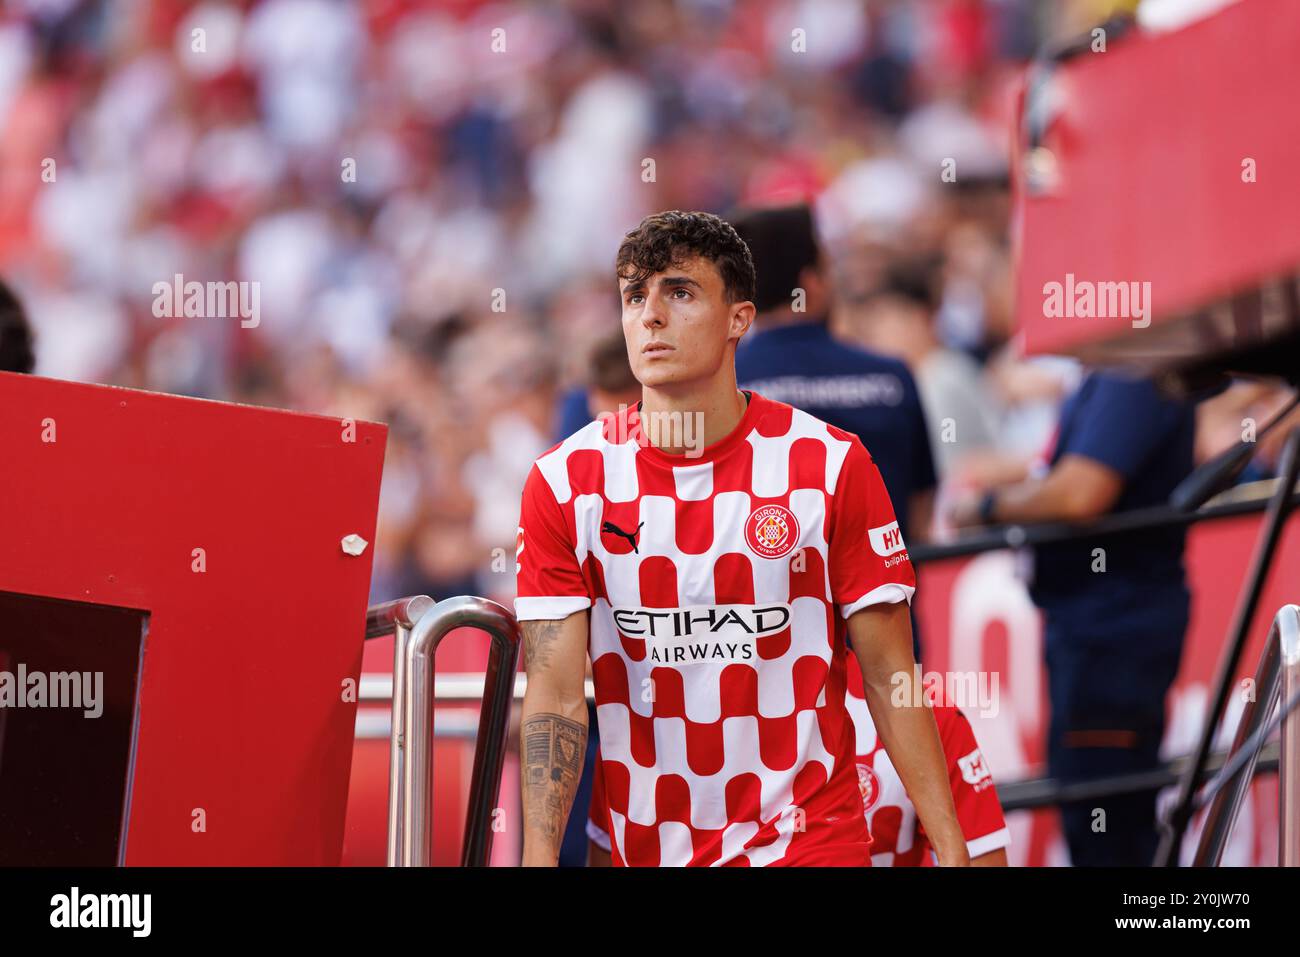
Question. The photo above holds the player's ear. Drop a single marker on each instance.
(742, 317)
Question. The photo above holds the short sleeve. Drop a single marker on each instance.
(979, 812)
(549, 579)
(869, 564)
(1121, 422)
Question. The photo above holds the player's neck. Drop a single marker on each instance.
(717, 408)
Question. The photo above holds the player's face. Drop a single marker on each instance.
(678, 323)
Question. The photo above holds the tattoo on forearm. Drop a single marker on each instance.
(539, 637)
(553, 751)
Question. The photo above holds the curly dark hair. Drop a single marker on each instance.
(16, 354)
(670, 237)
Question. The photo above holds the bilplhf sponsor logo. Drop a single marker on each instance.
(974, 771)
(886, 540)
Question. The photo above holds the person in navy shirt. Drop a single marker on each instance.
(1115, 608)
(790, 355)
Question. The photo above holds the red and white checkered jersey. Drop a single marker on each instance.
(897, 837)
(718, 586)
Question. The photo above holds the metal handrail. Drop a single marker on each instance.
(396, 618)
(1288, 772)
(1277, 678)
(384, 619)
(418, 626)
(413, 705)
(462, 687)
(1152, 518)
(1280, 507)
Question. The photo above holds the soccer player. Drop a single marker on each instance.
(717, 554)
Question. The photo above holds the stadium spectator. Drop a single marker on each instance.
(1116, 607)
(899, 320)
(791, 356)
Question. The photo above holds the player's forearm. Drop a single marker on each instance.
(911, 738)
(882, 641)
(552, 734)
(552, 746)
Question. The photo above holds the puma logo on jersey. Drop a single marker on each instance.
(886, 540)
(630, 536)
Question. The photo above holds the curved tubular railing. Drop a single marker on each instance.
(396, 618)
(1276, 679)
(386, 619)
(1280, 507)
(418, 625)
(1288, 772)
(410, 804)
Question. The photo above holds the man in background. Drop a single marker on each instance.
(899, 321)
(609, 384)
(790, 355)
(1115, 608)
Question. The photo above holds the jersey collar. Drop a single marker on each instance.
(711, 453)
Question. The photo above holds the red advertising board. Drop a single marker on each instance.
(1163, 161)
(209, 537)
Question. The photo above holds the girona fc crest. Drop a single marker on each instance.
(771, 531)
(868, 786)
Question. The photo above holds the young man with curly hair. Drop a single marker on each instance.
(718, 555)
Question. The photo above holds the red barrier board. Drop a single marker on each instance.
(221, 526)
(1167, 161)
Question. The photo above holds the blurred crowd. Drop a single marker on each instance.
(430, 195)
